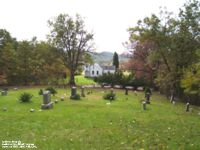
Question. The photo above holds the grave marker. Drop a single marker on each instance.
(147, 96)
(187, 107)
(126, 91)
(73, 92)
(47, 104)
(82, 91)
(144, 105)
(4, 93)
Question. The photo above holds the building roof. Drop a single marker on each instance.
(108, 67)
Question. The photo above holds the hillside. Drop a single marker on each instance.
(106, 57)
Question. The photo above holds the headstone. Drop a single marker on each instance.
(126, 91)
(32, 110)
(135, 92)
(15, 88)
(62, 98)
(111, 91)
(73, 92)
(4, 93)
(82, 91)
(144, 105)
(47, 104)
(187, 107)
(147, 96)
(172, 96)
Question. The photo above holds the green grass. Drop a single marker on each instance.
(81, 80)
(91, 124)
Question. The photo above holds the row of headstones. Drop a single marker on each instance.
(47, 104)
(172, 100)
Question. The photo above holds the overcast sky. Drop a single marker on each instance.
(108, 19)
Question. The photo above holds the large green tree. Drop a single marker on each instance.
(70, 36)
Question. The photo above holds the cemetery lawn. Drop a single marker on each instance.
(91, 124)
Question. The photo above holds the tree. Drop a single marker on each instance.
(174, 44)
(7, 56)
(116, 60)
(72, 39)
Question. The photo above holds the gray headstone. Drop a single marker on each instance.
(62, 98)
(187, 107)
(126, 91)
(171, 98)
(147, 96)
(4, 93)
(32, 110)
(144, 105)
(111, 91)
(46, 97)
(82, 91)
(47, 104)
(73, 91)
(15, 88)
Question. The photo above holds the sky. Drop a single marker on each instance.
(107, 19)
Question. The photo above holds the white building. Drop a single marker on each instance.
(96, 70)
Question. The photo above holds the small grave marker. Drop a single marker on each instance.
(62, 98)
(147, 96)
(82, 91)
(47, 104)
(126, 91)
(187, 107)
(4, 93)
(73, 92)
(144, 105)
(32, 110)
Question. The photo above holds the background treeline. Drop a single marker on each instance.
(166, 51)
(29, 62)
(122, 79)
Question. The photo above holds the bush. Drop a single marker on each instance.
(76, 97)
(40, 92)
(147, 90)
(51, 90)
(25, 97)
(110, 96)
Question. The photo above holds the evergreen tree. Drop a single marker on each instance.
(116, 60)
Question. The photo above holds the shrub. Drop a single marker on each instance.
(110, 96)
(40, 92)
(51, 90)
(25, 97)
(147, 90)
(76, 97)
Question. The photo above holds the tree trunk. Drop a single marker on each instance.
(72, 79)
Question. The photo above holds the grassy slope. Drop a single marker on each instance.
(91, 124)
(81, 80)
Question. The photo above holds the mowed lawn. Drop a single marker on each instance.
(91, 124)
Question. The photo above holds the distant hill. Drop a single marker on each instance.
(105, 58)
